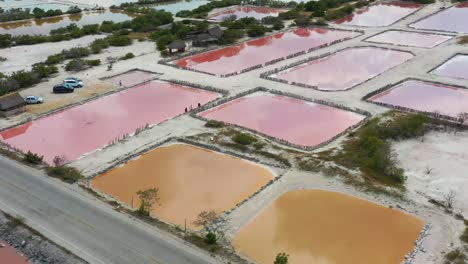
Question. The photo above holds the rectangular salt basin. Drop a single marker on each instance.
(315, 226)
(88, 127)
(190, 180)
(131, 78)
(456, 67)
(44, 25)
(246, 11)
(379, 15)
(407, 38)
(244, 55)
(296, 121)
(426, 97)
(8, 255)
(454, 19)
(344, 69)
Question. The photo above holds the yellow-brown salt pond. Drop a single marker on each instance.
(322, 227)
(190, 180)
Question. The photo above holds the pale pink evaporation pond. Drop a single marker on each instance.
(256, 12)
(379, 15)
(85, 128)
(296, 121)
(456, 67)
(131, 78)
(345, 69)
(407, 38)
(8, 255)
(454, 19)
(426, 97)
(254, 52)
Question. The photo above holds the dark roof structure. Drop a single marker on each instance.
(215, 32)
(11, 101)
(177, 44)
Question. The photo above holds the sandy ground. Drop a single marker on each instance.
(22, 57)
(445, 229)
(445, 155)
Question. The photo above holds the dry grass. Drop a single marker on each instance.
(463, 40)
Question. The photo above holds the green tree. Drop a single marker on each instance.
(281, 258)
(148, 198)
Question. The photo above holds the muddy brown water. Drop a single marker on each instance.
(322, 227)
(190, 180)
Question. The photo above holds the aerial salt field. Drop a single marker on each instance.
(453, 19)
(426, 97)
(408, 38)
(88, 127)
(321, 73)
(244, 55)
(380, 14)
(315, 226)
(455, 67)
(296, 121)
(246, 11)
(190, 180)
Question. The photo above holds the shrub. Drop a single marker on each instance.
(44, 71)
(214, 124)
(93, 63)
(24, 78)
(98, 45)
(256, 30)
(119, 40)
(54, 59)
(244, 139)
(211, 238)
(75, 53)
(65, 173)
(128, 56)
(75, 65)
(32, 158)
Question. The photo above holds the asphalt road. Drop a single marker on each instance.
(88, 228)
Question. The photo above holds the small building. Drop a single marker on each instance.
(212, 36)
(176, 46)
(11, 104)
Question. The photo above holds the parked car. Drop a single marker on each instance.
(74, 82)
(63, 88)
(32, 99)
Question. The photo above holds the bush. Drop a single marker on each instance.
(214, 124)
(24, 78)
(93, 63)
(211, 238)
(32, 158)
(65, 173)
(75, 65)
(44, 71)
(256, 30)
(54, 59)
(128, 56)
(244, 139)
(75, 53)
(119, 40)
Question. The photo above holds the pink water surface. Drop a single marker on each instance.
(456, 67)
(379, 15)
(346, 68)
(407, 38)
(247, 11)
(85, 128)
(454, 19)
(254, 52)
(8, 255)
(296, 121)
(131, 78)
(426, 97)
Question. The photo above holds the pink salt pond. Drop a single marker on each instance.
(85, 128)
(407, 38)
(296, 121)
(379, 15)
(131, 78)
(244, 55)
(454, 19)
(426, 97)
(344, 69)
(8, 255)
(246, 11)
(456, 67)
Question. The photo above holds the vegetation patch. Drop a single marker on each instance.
(214, 124)
(244, 139)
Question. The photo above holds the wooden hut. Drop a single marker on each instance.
(11, 104)
(176, 46)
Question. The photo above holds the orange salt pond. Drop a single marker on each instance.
(190, 180)
(321, 227)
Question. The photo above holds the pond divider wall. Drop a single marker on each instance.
(279, 140)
